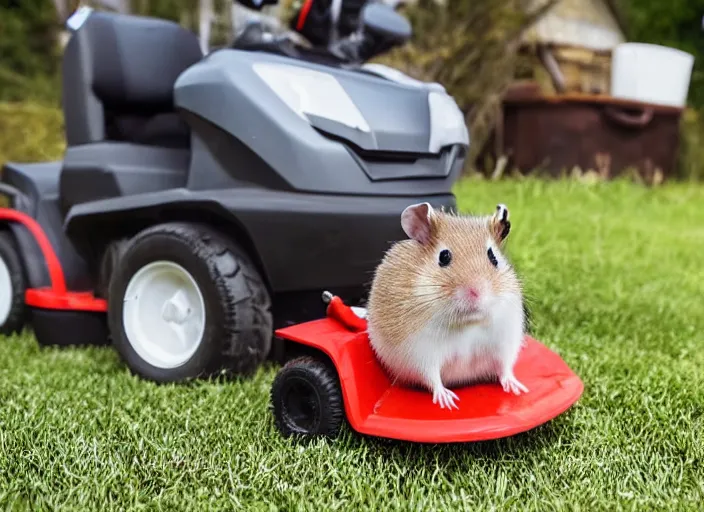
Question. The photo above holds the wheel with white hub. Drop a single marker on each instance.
(186, 302)
(12, 286)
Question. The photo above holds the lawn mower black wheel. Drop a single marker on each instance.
(185, 302)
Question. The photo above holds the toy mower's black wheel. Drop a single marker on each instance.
(186, 302)
(13, 311)
(306, 399)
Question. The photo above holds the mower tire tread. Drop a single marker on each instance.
(239, 325)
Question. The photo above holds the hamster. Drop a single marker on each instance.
(445, 307)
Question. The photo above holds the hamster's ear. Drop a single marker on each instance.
(416, 221)
(499, 223)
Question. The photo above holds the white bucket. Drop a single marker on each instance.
(651, 73)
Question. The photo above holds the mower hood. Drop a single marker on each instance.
(374, 109)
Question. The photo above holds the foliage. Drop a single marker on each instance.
(28, 29)
(30, 63)
(30, 133)
(691, 153)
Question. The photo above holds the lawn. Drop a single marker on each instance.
(614, 277)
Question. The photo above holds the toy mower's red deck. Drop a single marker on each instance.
(376, 407)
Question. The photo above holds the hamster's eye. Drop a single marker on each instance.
(444, 258)
(492, 257)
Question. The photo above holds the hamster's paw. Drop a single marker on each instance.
(512, 385)
(445, 398)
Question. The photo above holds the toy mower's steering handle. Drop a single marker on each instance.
(343, 313)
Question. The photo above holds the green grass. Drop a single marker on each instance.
(615, 281)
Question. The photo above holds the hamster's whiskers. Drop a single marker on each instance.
(426, 301)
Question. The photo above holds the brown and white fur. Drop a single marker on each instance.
(441, 325)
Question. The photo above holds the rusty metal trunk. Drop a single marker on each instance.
(601, 133)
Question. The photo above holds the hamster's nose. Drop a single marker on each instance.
(471, 293)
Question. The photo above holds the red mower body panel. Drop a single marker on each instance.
(376, 407)
(56, 296)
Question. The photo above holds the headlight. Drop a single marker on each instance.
(447, 126)
(311, 92)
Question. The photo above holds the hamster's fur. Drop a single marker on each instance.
(445, 307)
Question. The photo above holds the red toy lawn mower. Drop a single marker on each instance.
(339, 377)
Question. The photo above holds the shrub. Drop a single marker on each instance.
(30, 63)
(691, 153)
(30, 132)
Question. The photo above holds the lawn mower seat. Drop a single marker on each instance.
(118, 78)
